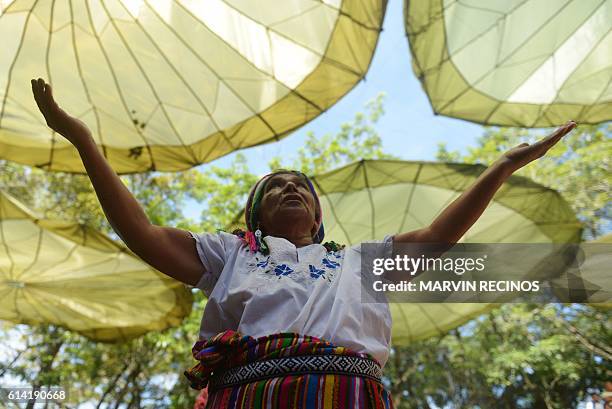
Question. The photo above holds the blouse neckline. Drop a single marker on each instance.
(281, 248)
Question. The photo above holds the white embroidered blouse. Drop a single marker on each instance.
(305, 290)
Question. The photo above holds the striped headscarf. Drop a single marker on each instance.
(251, 213)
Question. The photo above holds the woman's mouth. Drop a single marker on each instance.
(292, 198)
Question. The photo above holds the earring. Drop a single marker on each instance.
(263, 247)
(258, 237)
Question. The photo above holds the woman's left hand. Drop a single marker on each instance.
(524, 153)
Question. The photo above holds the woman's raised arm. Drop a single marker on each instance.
(462, 213)
(171, 251)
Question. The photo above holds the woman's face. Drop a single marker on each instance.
(287, 202)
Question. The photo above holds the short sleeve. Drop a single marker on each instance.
(385, 248)
(368, 251)
(213, 250)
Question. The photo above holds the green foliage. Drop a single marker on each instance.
(356, 140)
(224, 190)
(518, 356)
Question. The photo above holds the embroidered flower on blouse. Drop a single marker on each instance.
(283, 270)
(263, 263)
(330, 264)
(315, 272)
(308, 270)
(335, 254)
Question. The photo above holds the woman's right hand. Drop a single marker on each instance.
(57, 119)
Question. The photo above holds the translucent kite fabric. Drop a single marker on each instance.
(62, 273)
(591, 277)
(169, 84)
(532, 63)
(369, 199)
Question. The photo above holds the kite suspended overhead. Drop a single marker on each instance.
(169, 84)
(366, 200)
(531, 63)
(63, 273)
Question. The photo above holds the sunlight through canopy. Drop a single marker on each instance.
(531, 63)
(63, 273)
(169, 84)
(370, 199)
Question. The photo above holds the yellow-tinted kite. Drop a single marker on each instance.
(531, 63)
(589, 276)
(169, 84)
(63, 273)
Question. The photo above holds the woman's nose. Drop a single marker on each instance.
(290, 186)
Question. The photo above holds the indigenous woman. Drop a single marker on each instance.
(284, 326)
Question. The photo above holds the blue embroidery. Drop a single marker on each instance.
(263, 263)
(283, 269)
(315, 272)
(330, 264)
(335, 254)
(325, 270)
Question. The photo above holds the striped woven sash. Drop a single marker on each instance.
(230, 358)
(298, 365)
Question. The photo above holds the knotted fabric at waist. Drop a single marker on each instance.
(230, 359)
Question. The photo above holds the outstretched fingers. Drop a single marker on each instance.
(539, 148)
(43, 95)
(556, 136)
(38, 92)
(49, 93)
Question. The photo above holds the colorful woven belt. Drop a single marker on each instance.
(230, 358)
(298, 365)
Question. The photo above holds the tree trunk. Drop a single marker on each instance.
(112, 385)
(133, 373)
(52, 351)
(12, 362)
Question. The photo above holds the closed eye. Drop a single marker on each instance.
(272, 184)
(279, 183)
